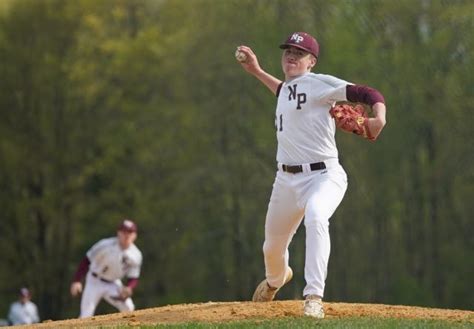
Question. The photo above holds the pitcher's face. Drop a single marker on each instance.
(295, 62)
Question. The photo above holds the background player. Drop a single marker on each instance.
(106, 264)
(23, 311)
(310, 182)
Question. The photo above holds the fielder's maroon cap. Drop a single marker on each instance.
(127, 225)
(303, 41)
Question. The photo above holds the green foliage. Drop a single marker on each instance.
(138, 109)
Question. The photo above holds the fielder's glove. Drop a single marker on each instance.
(124, 293)
(353, 119)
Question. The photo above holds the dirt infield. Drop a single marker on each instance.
(237, 311)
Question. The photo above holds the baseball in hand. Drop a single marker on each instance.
(240, 56)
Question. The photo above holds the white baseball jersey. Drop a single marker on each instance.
(111, 263)
(26, 313)
(305, 129)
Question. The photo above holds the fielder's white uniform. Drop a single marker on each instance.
(306, 135)
(108, 265)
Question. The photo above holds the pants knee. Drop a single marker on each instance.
(274, 248)
(316, 217)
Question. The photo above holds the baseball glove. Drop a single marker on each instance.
(124, 293)
(353, 119)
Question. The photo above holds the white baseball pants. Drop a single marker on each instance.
(314, 195)
(95, 290)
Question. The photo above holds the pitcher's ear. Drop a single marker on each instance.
(314, 60)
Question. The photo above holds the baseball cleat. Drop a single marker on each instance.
(265, 293)
(313, 306)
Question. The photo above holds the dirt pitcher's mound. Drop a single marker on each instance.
(237, 311)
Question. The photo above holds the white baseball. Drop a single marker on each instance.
(240, 56)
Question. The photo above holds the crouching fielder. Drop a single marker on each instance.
(106, 263)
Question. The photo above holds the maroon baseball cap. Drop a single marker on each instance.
(303, 41)
(127, 225)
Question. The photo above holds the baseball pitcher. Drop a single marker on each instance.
(310, 183)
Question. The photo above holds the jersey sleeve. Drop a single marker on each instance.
(82, 270)
(332, 89)
(278, 89)
(364, 94)
(133, 272)
(34, 314)
(13, 315)
(96, 249)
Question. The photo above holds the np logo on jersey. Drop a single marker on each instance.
(299, 97)
(296, 38)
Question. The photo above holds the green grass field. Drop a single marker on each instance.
(302, 322)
